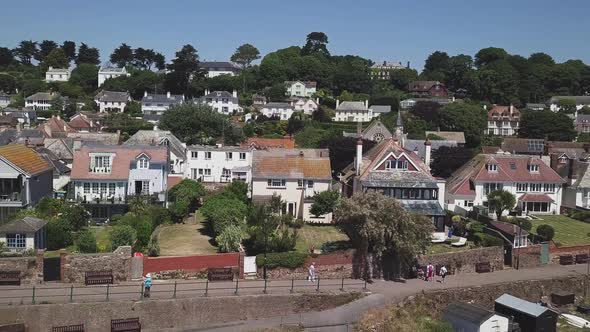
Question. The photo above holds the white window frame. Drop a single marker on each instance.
(242, 155)
(276, 183)
(229, 156)
(207, 155)
(194, 154)
(143, 163)
(86, 186)
(145, 187)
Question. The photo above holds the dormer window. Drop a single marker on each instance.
(100, 164)
(492, 167)
(143, 163)
(534, 168)
(562, 160)
(396, 164)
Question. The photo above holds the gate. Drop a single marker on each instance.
(507, 254)
(52, 269)
(545, 253)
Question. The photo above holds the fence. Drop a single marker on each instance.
(132, 292)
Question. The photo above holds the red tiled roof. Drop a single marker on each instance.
(535, 198)
(292, 164)
(489, 149)
(509, 111)
(56, 127)
(173, 180)
(24, 158)
(266, 143)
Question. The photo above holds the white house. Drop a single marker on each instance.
(177, 149)
(58, 74)
(283, 111)
(217, 68)
(218, 164)
(537, 187)
(300, 89)
(503, 120)
(581, 101)
(466, 317)
(104, 73)
(42, 101)
(221, 101)
(4, 100)
(305, 105)
(154, 105)
(24, 234)
(112, 101)
(294, 174)
(353, 111)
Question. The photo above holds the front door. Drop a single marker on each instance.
(52, 269)
(507, 254)
(138, 187)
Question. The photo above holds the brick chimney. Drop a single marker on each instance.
(427, 151)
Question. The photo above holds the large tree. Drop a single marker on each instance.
(468, 118)
(324, 202)
(547, 124)
(378, 225)
(25, 51)
(45, 47)
(488, 55)
(122, 55)
(316, 43)
(88, 55)
(446, 160)
(6, 56)
(244, 55)
(500, 201)
(56, 59)
(184, 69)
(85, 75)
(69, 48)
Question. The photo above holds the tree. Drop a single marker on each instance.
(428, 111)
(133, 108)
(187, 190)
(547, 124)
(567, 105)
(145, 58)
(86, 242)
(45, 47)
(488, 55)
(69, 48)
(546, 232)
(89, 55)
(470, 119)
(25, 51)
(324, 202)
(122, 55)
(377, 225)
(123, 235)
(85, 75)
(33, 85)
(58, 234)
(244, 55)
(6, 56)
(400, 78)
(126, 124)
(436, 66)
(76, 216)
(269, 230)
(56, 59)
(222, 212)
(500, 201)
(316, 44)
(446, 160)
(159, 61)
(8, 83)
(230, 239)
(184, 68)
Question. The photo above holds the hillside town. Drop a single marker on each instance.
(297, 171)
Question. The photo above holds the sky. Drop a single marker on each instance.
(393, 30)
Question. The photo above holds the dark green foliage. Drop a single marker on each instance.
(58, 234)
(547, 232)
(470, 119)
(324, 202)
(525, 224)
(126, 124)
(342, 150)
(153, 248)
(123, 235)
(222, 211)
(86, 242)
(87, 55)
(486, 240)
(547, 124)
(291, 260)
(85, 76)
(475, 227)
(184, 198)
(238, 190)
(446, 160)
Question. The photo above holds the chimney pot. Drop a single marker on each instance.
(145, 93)
(337, 103)
(235, 94)
(168, 94)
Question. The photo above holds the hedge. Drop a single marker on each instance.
(290, 259)
(486, 240)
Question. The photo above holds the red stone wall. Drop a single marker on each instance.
(190, 263)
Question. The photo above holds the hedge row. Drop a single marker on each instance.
(290, 259)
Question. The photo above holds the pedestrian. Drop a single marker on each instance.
(147, 285)
(311, 272)
(429, 272)
(443, 273)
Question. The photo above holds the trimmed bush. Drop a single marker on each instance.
(486, 240)
(290, 259)
(86, 242)
(475, 227)
(546, 232)
(153, 248)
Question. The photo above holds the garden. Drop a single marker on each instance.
(568, 231)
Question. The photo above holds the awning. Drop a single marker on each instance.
(543, 198)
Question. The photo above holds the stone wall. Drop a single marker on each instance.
(464, 261)
(74, 267)
(329, 266)
(31, 268)
(528, 257)
(574, 250)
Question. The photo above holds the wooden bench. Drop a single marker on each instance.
(125, 325)
(483, 267)
(10, 278)
(220, 274)
(566, 260)
(68, 328)
(99, 277)
(581, 258)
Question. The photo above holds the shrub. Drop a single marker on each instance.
(230, 239)
(546, 232)
(475, 227)
(58, 235)
(123, 235)
(153, 248)
(581, 215)
(86, 242)
(222, 212)
(291, 259)
(459, 226)
(486, 240)
(525, 224)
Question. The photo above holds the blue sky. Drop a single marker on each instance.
(377, 29)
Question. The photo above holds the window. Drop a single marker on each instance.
(145, 187)
(229, 155)
(87, 188)
(489, 187)
(396, 164)
(143, 163)
(16, 240)
(194, 154)
(310, 184)
(522, 187)
(112, 187)
(100, 164)
(468, 203)
(492, 167)
(242, 155)
(95, 188)
(300, 183)
(277, 183)
(194, 174)
(103, 188)
(534, 168)
(414, 193)
(204, 171)
(225, 109)
(549, 187)
(535, 187)
(207, 155)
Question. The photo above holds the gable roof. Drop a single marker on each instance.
(43, 96)
(24, 225)
(277, 105)
(352, 106)
(467, 312)
(313, 164)
(56, 127)
(220, 94)
(98, 137)
(162, 98)
(308, 84)
(24, 158)
(457, 136)
(508, 228)
(219, 66)
(422, 86)
(526, 307)
(11, 135)
(112, 96)
(381, 108)
(157, 137)
(523, 145)
(260, 143)
(53, 160)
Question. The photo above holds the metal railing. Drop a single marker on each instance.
(40, 294)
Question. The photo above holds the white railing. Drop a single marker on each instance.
(101, 170)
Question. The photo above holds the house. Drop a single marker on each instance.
(582, 123)
(63, 148)
(4, 100)
(537, 187)
(177, 149)
(353, 111)
(282, 111)
(112, 101)
(56, 127)
(517, 236)
(104, 73)
(455, 136)
(58, 74)
(428, 89)
(61, 172)
(83, 123)
(218, 164)
(411, 102)
(396, 172)
(305, 105)
(258, 100)
(8, 121)
(535, 106)
(217, 68)
(531, 317)
(467, 317)
(375, 131)
(25, 117)
(503, 120)
(24, 234)
(260, 143)
(300, 88)
(221, 101)
(294, 174)
(104, 177)
(154, 105)
(28, 137)
(381, 71)
(575, 170)
(25, 178)
(43, 101)
(580, 101)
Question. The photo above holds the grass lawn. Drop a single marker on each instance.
(568, 231)
(190, 238)
(103, 241)
(440, 248)
(316, 236)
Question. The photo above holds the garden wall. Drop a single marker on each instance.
(187, 266)
(31, 268)
(464, 261)
(329, 266)
(74, 267)
(528, 257)
(555, 252)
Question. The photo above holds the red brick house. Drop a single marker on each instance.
(428, 89)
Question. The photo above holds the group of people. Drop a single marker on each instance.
(431, 271)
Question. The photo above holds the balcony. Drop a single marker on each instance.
(12, 193)
(100, 170)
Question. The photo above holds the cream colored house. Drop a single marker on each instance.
(24, 234)
(294, 174)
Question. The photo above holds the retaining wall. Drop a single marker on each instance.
(30, 268)
(329, 266)
(187, 266)
(464, 261)
(74, 267)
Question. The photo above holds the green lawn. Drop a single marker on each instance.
(316, 236)
(190, 238)
(440, 248)
(568, 231)
(103, 241)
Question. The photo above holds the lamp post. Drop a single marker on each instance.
(517, 212)
(265, 245)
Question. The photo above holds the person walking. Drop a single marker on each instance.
(311, 272)
(147, 285)
(443, 273)
(429, 272)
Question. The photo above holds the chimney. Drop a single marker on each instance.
(168, 94)
(337, 103)
(58, 117)
(235, 93)
(50, 68)
(301, 154)
(511, 109)
(367, 103)
(408, 65)
(427, 150)
(359, 156)
(317, 100)
(570, 170)
(206, 92)
(485, 107)
(145, 93)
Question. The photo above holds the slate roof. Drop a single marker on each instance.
(112, 70)
(424, 207)
(157, 137)
(508, 228)
(583, 118)
(352, 106)
(291, 164)
(381, 108)
(112, 96)
(422, 86)
(42, 96)
(277, 105)
(53, 160)
(260, 143)
(24, 225)
(24, 158)
(373, 128)
(220, 94)
(523, 145)
(417, 145)
(162, 98)
(152, 117)
(525, 307)
(219, 66)
(97, 137)
(457, 136)
(11, 135)
(467, 312)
